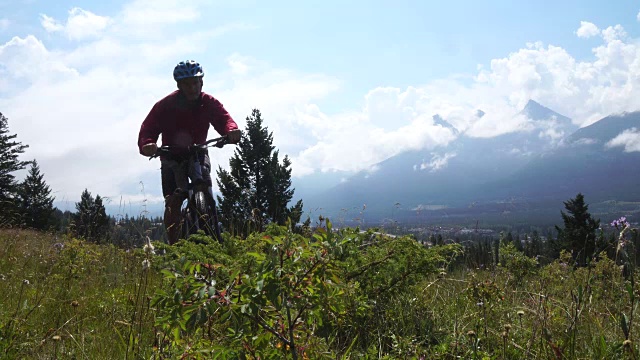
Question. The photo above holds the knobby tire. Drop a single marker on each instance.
(187, 222)
(206, 216)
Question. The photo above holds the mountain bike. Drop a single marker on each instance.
(198, 210)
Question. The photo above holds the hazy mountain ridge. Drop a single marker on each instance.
(523, 167)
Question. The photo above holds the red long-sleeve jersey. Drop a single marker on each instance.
(182, 124)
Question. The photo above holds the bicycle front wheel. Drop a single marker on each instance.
(206, 216)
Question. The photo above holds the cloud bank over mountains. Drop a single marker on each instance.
(78, 93)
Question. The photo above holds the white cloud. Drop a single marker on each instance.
(585, 142)
(50, 24)
(638, 16)
(613, 33)
(4, 24)
(587, 30)
(371, 170)
(27, 58)
(95, 94)
(437, 162)
(584, 91)
(551, 132)
(80, 109)
(629, 139)
(170, 19)
(394, 120)
(238, 64)
(81, 24)
(145, 13)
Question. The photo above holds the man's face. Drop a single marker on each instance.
(191, 87)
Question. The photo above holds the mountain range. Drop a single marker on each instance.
(523, 175)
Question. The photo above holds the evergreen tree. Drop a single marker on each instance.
(90, 220)
(10, 149)
(496, 250)
(517, 242)
(509, 238)
(257, 189)
(295, 212)
(62, 220)
(579, 232)
(35, 202)
(535, 245)
(280, 192)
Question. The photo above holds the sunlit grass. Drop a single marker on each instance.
(68, 298)
(65, 298)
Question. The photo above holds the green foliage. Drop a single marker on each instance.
(516, 262)
(257, 189)
(10, 149)
(579, 232)
(90, 220)
(67, 298)
(279, 294)
(34, 200)
(334, 294)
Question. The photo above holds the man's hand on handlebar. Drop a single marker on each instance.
(152, 150)
(233, 137)
(149, 149)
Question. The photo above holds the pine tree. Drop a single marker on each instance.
(535, 245)
(90, 220)
(517, 242)
(35, 202)
(257, 189)
(509, 238)
(62, 220)
(280, 192)
(10, 149)
(579, 232)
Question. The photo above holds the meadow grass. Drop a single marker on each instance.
(65, 298)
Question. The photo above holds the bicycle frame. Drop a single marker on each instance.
(200, 212)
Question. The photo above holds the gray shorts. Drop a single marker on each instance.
(175, 174)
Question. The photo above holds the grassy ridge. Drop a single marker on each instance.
(353, 295)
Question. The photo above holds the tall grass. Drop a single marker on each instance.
(66, 298)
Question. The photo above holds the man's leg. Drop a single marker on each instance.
(174, 185)
(172, 217)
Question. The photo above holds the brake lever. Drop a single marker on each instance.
(158, 153)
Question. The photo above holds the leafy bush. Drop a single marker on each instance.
(517, 263)
(284, 293)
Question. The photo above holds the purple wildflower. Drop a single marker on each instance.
(620, 223)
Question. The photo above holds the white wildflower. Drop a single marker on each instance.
(148, 247)
(146, 264)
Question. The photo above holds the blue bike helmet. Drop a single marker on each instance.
(187, 69)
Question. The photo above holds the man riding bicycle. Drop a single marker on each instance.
(183, 118)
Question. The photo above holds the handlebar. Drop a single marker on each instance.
(166, 149)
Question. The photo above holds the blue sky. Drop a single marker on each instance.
(343, 85)
(371, 43)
